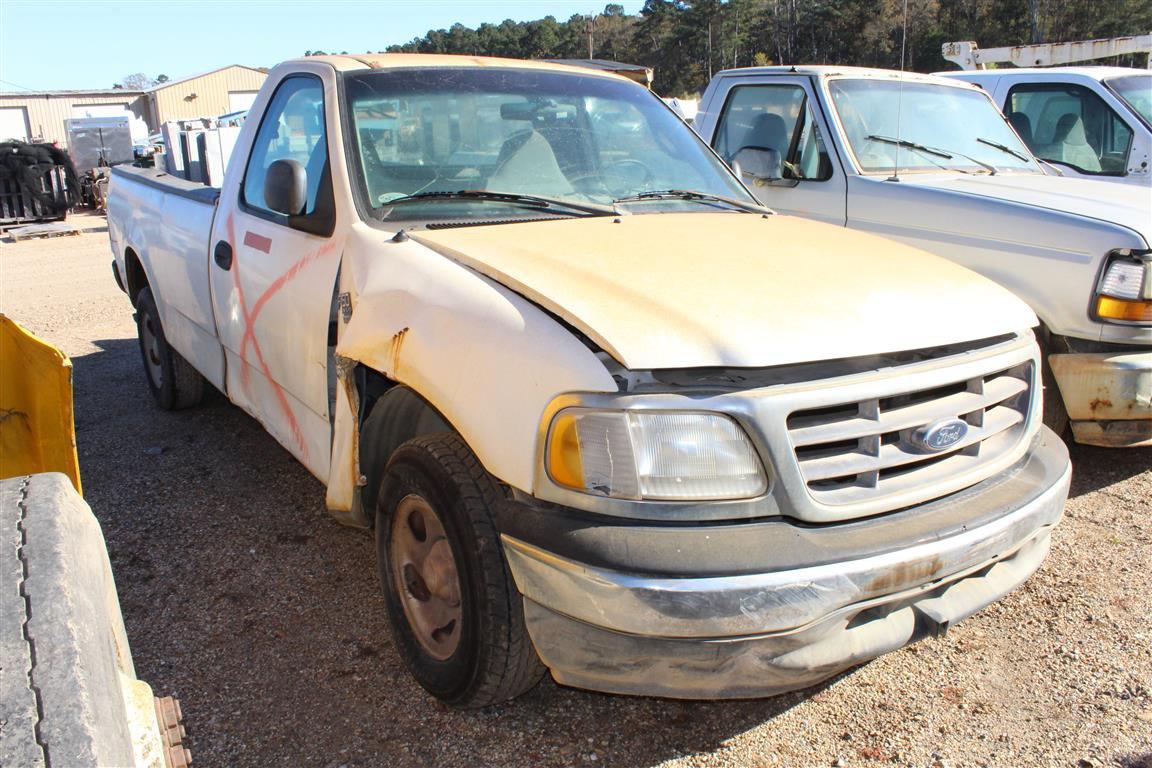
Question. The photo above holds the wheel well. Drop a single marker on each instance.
(135, 277)
(391, 415)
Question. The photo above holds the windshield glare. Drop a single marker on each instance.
(946, 119)
(1136, 91)
(566, 137)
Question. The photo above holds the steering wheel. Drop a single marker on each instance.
(622, 177)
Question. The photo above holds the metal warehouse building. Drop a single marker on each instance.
(41, 115)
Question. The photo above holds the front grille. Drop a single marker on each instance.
(866, 450)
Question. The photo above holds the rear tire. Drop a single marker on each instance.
(174, 383)
(459, 626)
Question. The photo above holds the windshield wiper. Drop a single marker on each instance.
(946, 154)
(528, 201)
(1004, 148)
(687, 194)
(910, 145)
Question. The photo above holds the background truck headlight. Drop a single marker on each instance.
(659, 455)
(1125, 291)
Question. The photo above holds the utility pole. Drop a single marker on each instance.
(589, 27)
(709, 49)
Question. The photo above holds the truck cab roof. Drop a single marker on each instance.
(362, 61)
(1093, 72)
(827, 70)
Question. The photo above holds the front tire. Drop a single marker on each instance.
(174, 383)
(456, 617)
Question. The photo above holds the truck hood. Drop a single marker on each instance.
(739, 290)
(1125, 204)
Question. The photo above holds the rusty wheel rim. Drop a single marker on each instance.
(152, 352)
(425, 577)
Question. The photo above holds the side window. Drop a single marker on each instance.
(292, 129)
(774, 117)
(1070, 124)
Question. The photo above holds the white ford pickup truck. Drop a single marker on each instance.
(607, 415)
(930, 161)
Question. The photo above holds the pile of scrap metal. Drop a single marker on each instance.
(37, 183)
(69, 693)
(95, 144)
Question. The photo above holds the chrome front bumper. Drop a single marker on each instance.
(1108, 396)
(758, 634)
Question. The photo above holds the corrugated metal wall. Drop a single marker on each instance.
(47, 113)
(204, 96)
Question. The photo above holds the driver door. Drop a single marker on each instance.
(780, 115)
(273, 275)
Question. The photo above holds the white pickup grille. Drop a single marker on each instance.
(862, 451)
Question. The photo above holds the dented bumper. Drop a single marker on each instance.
(760, 633)
(1108, 396)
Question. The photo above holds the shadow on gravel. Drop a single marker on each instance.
(1095, 468)
(618, 730)
(1136, 761)
(244, 599)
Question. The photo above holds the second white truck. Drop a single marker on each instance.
(931, 162)
(1093, 122)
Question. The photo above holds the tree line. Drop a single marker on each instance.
(686, 41)
(139, 82)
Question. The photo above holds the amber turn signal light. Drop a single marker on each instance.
(1123, 309)
(564, 462)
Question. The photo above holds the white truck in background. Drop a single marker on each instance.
(607, 414)
(930, 161)
(1092, 122)
(1088, 120)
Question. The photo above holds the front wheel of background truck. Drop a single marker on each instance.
(172, 380)
(456, 617)
(1055, 415)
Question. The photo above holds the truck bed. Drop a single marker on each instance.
(169, 184)
(164, 223)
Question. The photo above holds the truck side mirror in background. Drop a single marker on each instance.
(762, 166)
(758, 164)
(286, 187)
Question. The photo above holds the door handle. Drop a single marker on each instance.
(223, 255)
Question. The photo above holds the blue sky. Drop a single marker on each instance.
(92, 44)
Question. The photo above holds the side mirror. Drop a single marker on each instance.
(286, 187)
(758, 163)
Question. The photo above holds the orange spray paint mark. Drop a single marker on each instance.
(249, 337)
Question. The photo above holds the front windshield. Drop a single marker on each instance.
(1136, 91)
(568, 138)
(940, 127)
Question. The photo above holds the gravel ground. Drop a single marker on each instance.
(242, 598)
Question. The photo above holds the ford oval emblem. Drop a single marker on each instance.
(940, 435)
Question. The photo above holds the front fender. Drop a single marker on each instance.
(487, 359)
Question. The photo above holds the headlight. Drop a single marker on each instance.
(1125, 291)
(671, 456)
